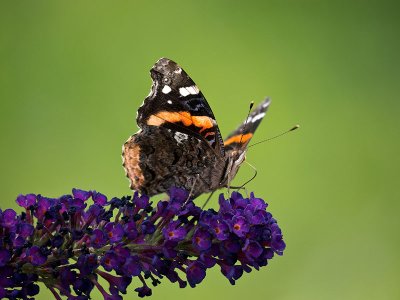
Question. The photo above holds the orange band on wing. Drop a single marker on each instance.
(186, 118)
(203, 122)
(240, 138)
(172, 117)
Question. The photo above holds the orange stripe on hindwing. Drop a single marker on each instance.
(240, 138)
(185, 117)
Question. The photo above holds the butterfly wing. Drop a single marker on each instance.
(240, 138)
(157, 158)
(236, 143)
(175, 102)
(179, 143)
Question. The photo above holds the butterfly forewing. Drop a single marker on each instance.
(240, 138)
(175, 102)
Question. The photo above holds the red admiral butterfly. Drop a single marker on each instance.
(179, 142)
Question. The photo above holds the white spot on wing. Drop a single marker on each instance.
(169, 102)
(166, 89)
(193, 89)
(179, 137)
(189, 90)
(178, 71)
(266, 104)
(258, 117)
(183, 91)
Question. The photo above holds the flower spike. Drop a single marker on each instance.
(68, 243)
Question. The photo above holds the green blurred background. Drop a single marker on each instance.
(73, 73)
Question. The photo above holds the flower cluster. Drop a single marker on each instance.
(68, 244)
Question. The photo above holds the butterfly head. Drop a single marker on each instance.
(234, 160)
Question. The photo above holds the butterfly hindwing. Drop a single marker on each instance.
(157, 158)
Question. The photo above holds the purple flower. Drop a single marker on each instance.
(25, 230)
(252, 249)
(195, 273)
(26, 201)
(277, 242)
(32, 289)
(174, 232)
(110, 261)
(98, 238)
(178, 195)
(81, 194)
(99, 198)
(119, 282)
(75, 239)
(201, 239)
(130, 230)
(8, 218)
(18, 242)
(132, 266)
(208, 260)
(83, 285)
(43, 205)
(221, 230)
(239, 226)
(141, 202)
(115, 232)
(57, 241)
(232, 272)
(148, 227)
(169, 250)
(231, 245)
(143, 291)
(257, 203)
(5, 256)
(35, 256)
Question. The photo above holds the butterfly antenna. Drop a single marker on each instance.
(247, 120)
(274, 137)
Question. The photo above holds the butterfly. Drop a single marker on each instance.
(179, 143)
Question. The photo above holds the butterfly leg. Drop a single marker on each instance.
(243, 186)
(208, 199)
(192, 189)
(230, 178)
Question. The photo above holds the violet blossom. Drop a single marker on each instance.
(69, 243)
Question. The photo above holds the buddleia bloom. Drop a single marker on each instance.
(71, 242)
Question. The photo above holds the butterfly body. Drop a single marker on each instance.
(179, 142)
